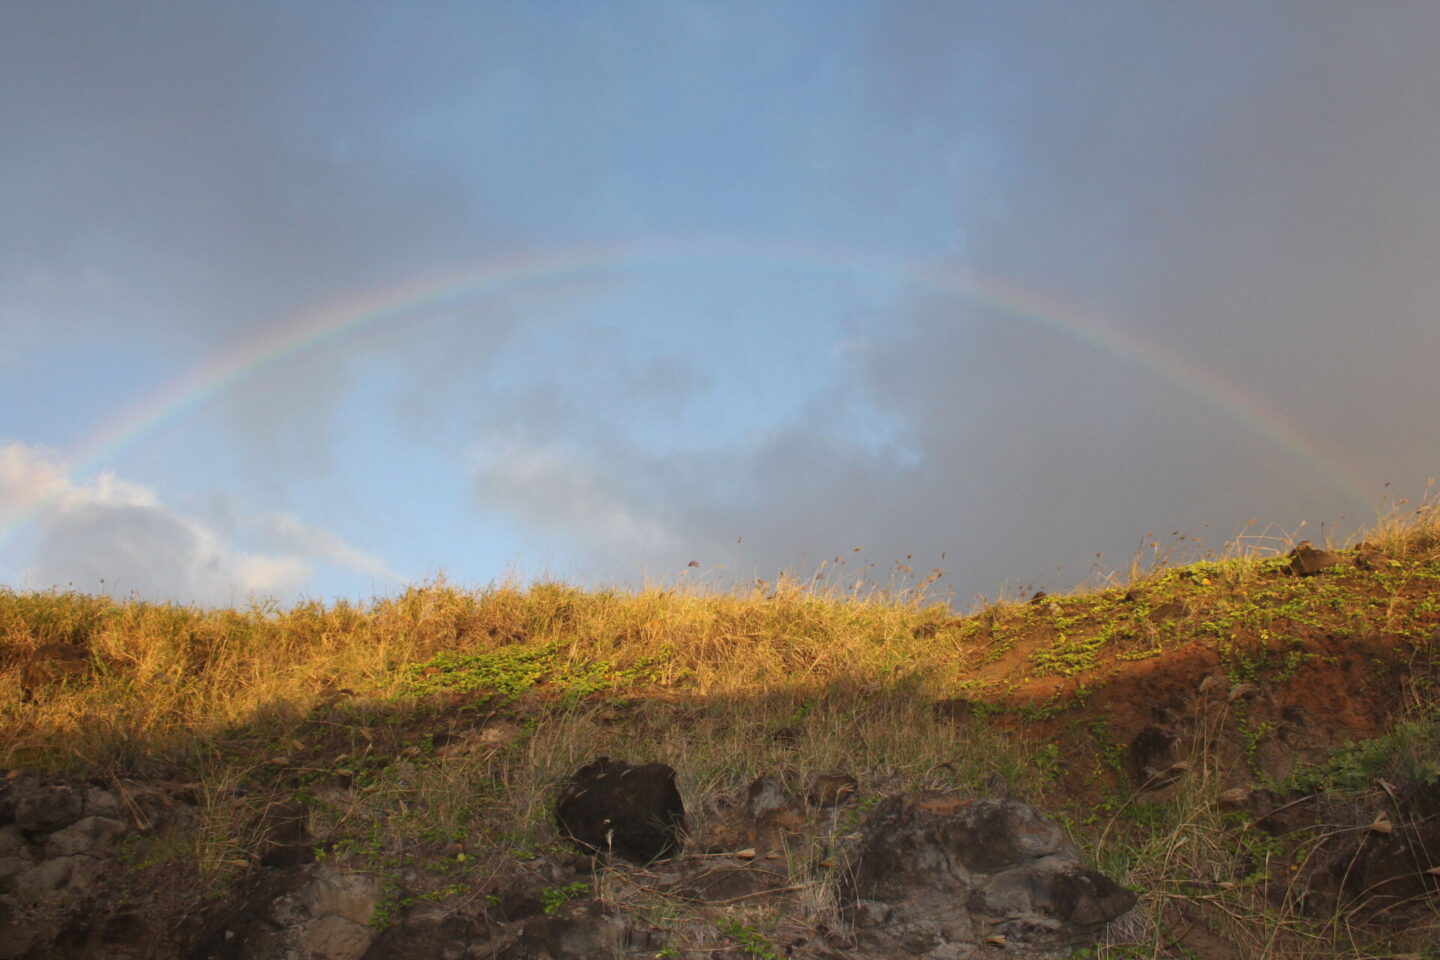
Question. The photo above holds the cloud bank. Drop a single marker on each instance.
(113, 536)
(1249, 187)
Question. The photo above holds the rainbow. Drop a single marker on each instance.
(314, 328)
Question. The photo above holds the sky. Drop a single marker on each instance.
(316, 301)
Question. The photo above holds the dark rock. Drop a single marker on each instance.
(1306, 561)
(102, 803)
(633, 812)
(939, 875)
(90, 836)
(13, 843)
(580, 930)
(50, 875)
(37, 807)
(1055, 889)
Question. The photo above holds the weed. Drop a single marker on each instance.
(553, 898)
(1410, 752)
(751, 941)
(1069, 655)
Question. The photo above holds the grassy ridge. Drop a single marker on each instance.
(424, 734)
(163, 675)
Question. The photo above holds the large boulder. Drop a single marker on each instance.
(942, 877)
(610, 807)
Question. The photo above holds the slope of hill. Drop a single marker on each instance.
(1250, 745)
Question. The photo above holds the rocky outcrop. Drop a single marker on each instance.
(318, 912)
(57, 845)
(944, 877)
(929, 875)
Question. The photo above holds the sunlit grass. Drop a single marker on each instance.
(362, 710)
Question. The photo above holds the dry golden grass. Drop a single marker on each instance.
(335, 704)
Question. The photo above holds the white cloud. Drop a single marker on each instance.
(289, 532)
(27, 475)
(545, 487)
(111, 534)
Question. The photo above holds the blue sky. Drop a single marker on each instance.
(751, 349)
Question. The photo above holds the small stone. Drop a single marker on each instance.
(45, 878)
(1369, 557)
(43, 807)
(12, 866)
(13, 842)
(92, 836)
(871, 913)
(333, 937)
(580, 930)
(1306, 561)
(102, 803)
(351, 896)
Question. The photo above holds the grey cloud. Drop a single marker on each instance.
(145, 550)
(1249, 187)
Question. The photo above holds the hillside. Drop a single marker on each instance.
(1249, 745)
